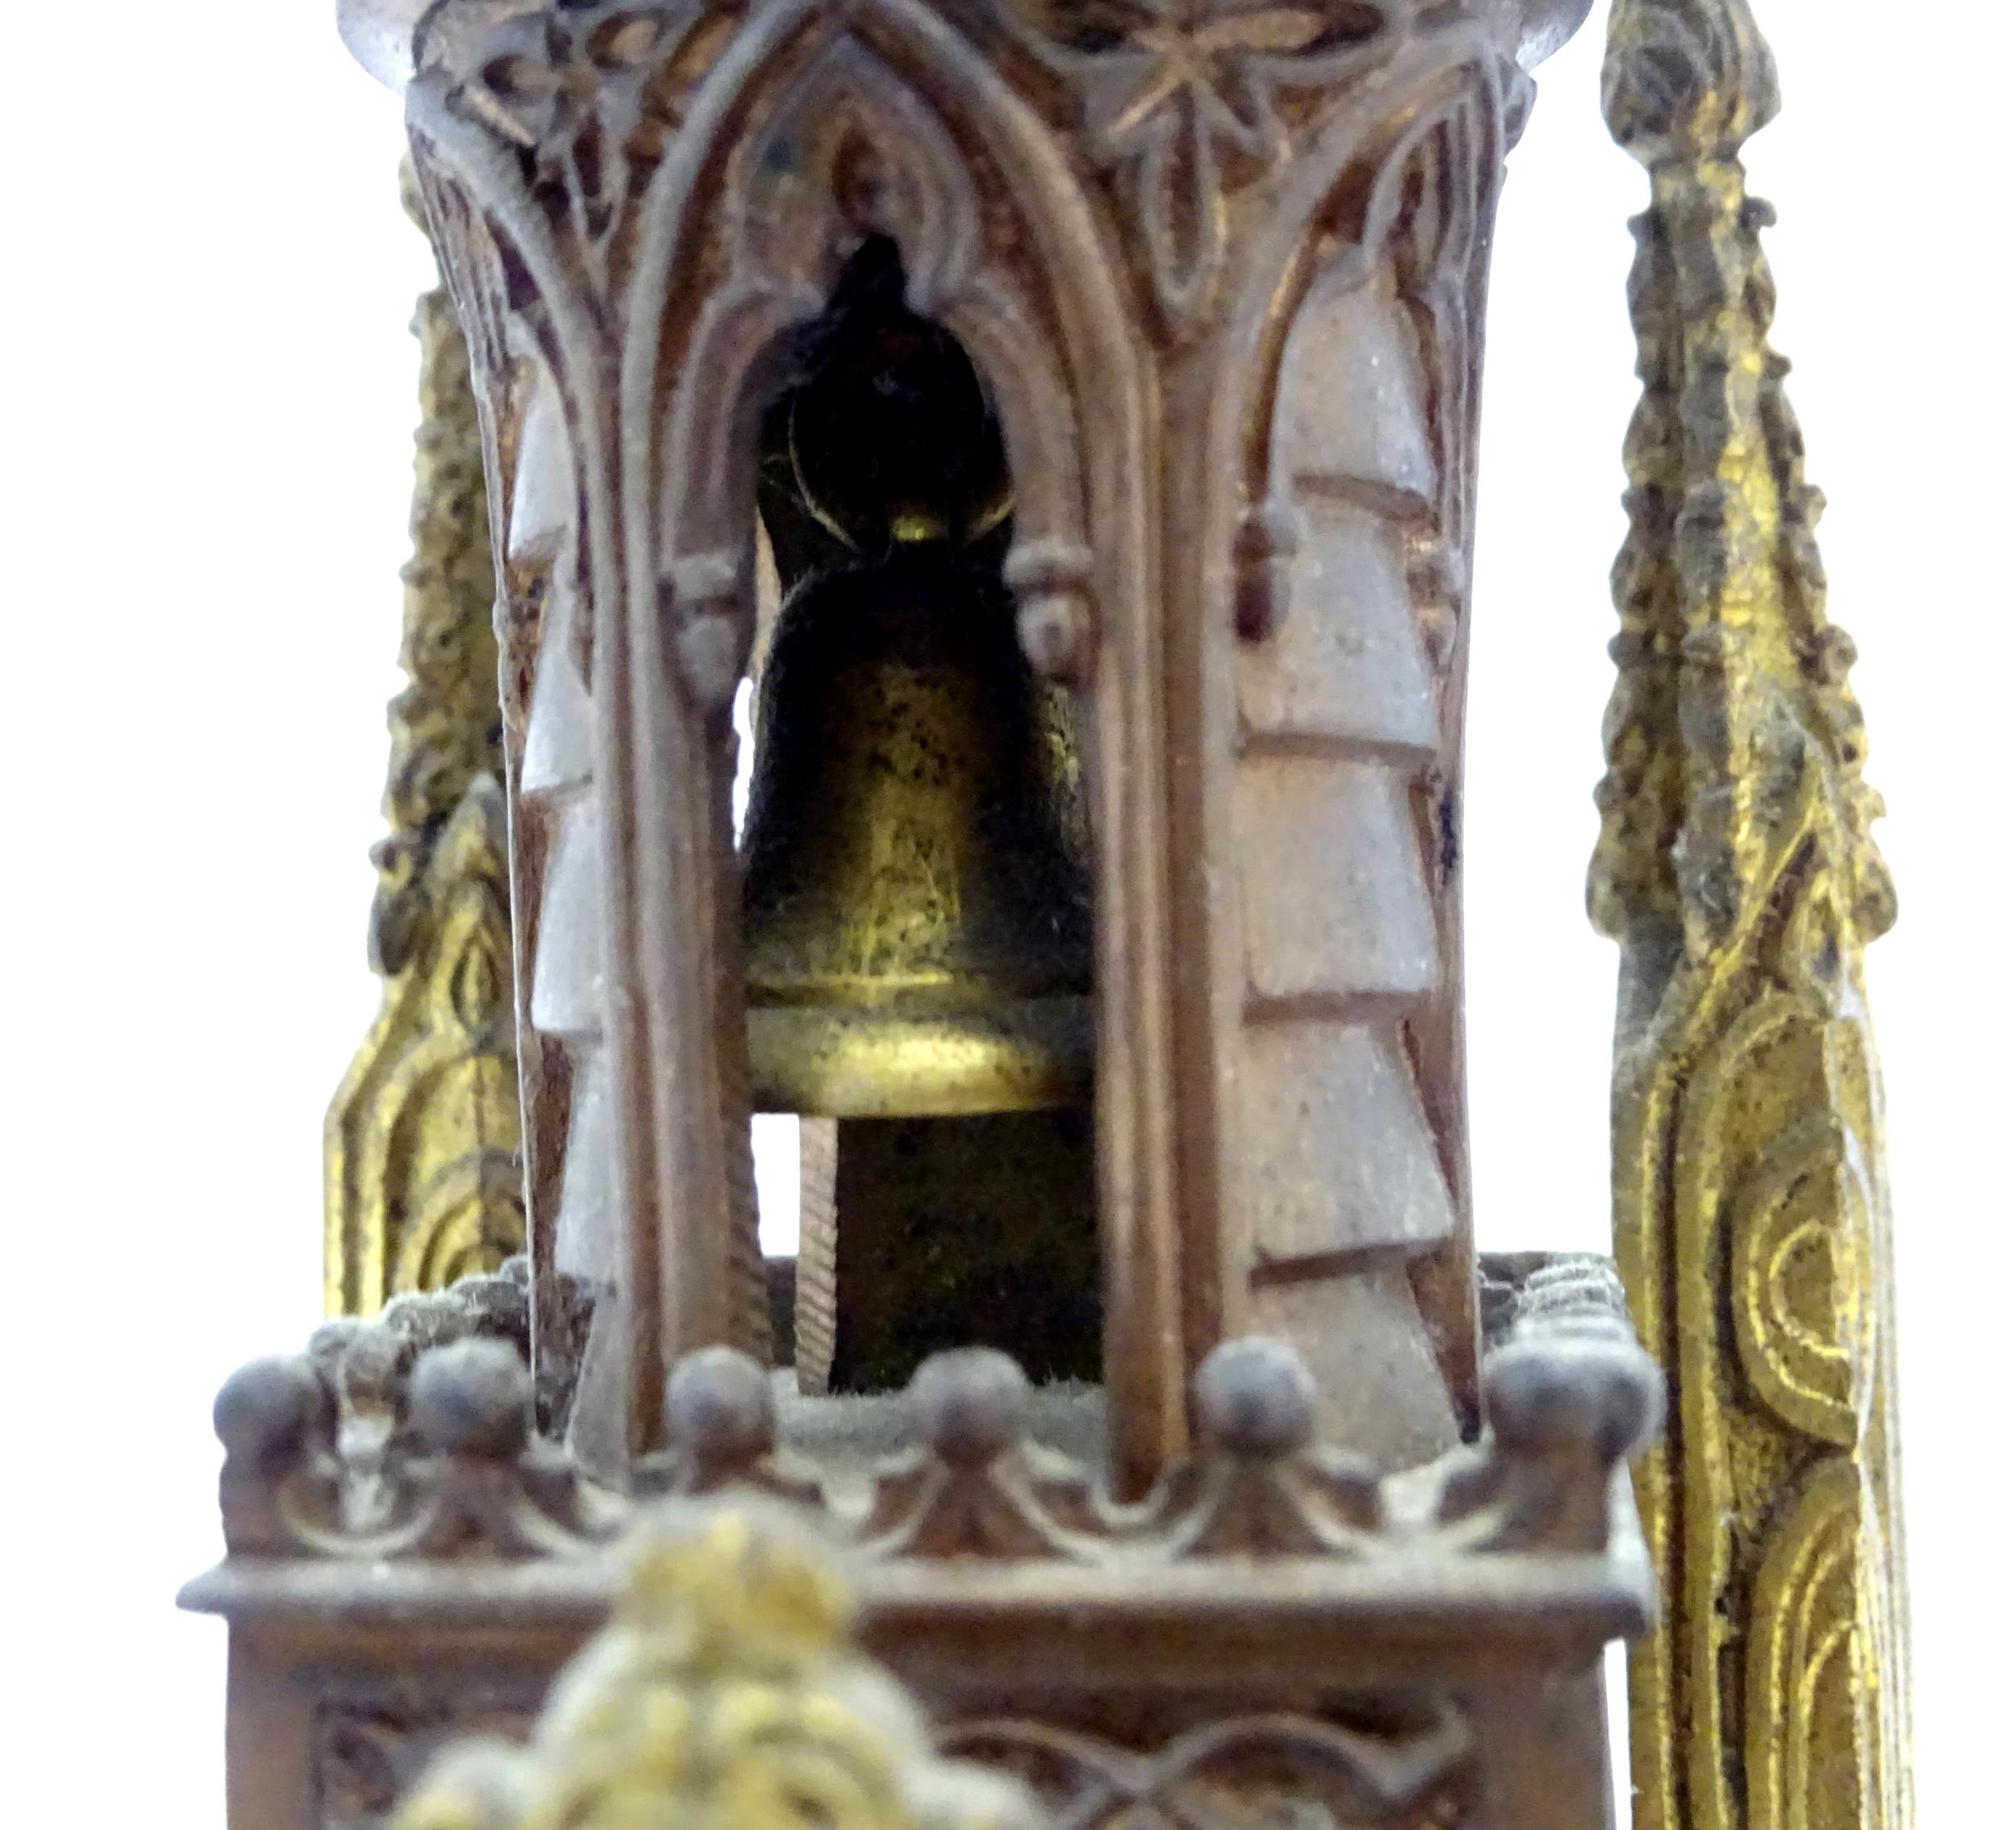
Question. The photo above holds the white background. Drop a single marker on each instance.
(207, 406)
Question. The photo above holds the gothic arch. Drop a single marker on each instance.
(1347, 212)
(847, 108)
(1344, 202)
(743, 229)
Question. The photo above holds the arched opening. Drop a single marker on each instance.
(917, 918)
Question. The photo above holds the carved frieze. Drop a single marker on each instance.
(370, 1749)
(1225, 1773)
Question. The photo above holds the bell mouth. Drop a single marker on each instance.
(1021, 1054)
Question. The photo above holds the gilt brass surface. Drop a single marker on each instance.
(1737, 871)
(421, 1144)
(917, 931)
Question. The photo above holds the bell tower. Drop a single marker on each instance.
(1061, 420)
(1153, 343)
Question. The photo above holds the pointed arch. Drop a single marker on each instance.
(815, 128)
(1345, 205)
(1431, 129)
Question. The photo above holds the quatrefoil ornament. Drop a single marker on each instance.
(1182, 102)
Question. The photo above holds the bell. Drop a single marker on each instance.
(916, 906)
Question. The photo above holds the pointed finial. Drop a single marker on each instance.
(1686, 79)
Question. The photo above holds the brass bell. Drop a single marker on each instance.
(916, 904)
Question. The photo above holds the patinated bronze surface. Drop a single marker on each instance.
(1232, 345)
(1277, 1626)
(1737, 870)
(1118, 666)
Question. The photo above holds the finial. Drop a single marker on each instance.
(265, 1408)
(472, 1398)
(1686, 79)
(719, 1409)
(1584, 1389)
(1255, 1399)
(743, 1586)
(724, 1691)
(969, 1405)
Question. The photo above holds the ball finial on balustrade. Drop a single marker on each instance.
(472, 1398)
(1256, 1399)
(1593, 1392)
(719, 1408)
(970, 1406)
(264, 1410)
